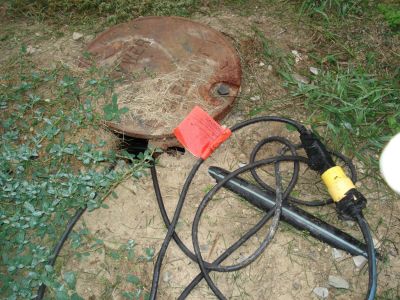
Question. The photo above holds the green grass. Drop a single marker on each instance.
(114, 11)
(356, 108)
(47, 172)
(327, 8)
(359, 110)
(283, 62)
(391, 14)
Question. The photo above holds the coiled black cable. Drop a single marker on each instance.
(179, 206)
(281, 196)
(207, 267)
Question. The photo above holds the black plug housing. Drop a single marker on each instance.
(351, 205)
(319, 159)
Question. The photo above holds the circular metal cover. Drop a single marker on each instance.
(167, 65)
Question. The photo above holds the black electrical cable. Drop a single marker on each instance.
(59, 245)
(372, 270)
(244, 238)
(57, 248)
(265, 242)
(171, 227)
(190, 254)
(281, 196)
(207, 267)
(228, 252)
(260, 144)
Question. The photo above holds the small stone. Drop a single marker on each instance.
(255, 98)
(300, 79)
(321, 292)
(241, 165)
(31, 50)
(297, 56)
(350, 223)
(38, 34)
(76, 36)
(314, 70)
(269, 67)
(261, 64)
(167, 276)
(223, 90)
(337, 254)
(134, 189)
(377, 243)
(359, 261)
(338, 282)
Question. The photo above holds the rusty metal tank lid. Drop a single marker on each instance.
(167, 65)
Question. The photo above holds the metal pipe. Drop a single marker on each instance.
(292, 215)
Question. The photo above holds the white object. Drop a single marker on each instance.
(338, 282)
(337, 254)
(390, 163)
(31, 50)
(300, 79)
(76, 36)
(297, 56)
(314, 70)
(167, 276)
(359, 261)
(321, 292)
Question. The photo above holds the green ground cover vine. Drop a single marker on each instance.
(46, 172)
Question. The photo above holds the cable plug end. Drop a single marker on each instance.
(349, 201)
(319, 159)
(351, 206)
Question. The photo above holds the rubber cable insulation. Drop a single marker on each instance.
(282, 196)
(207, 267)
(179, 206)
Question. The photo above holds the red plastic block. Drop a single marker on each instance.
(200, 134)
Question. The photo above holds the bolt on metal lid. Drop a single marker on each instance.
(168, 65)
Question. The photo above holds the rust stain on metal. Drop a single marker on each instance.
(169, 64)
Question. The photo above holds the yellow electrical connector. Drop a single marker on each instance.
(337, 183)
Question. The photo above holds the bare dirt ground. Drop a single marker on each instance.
(291, 267)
